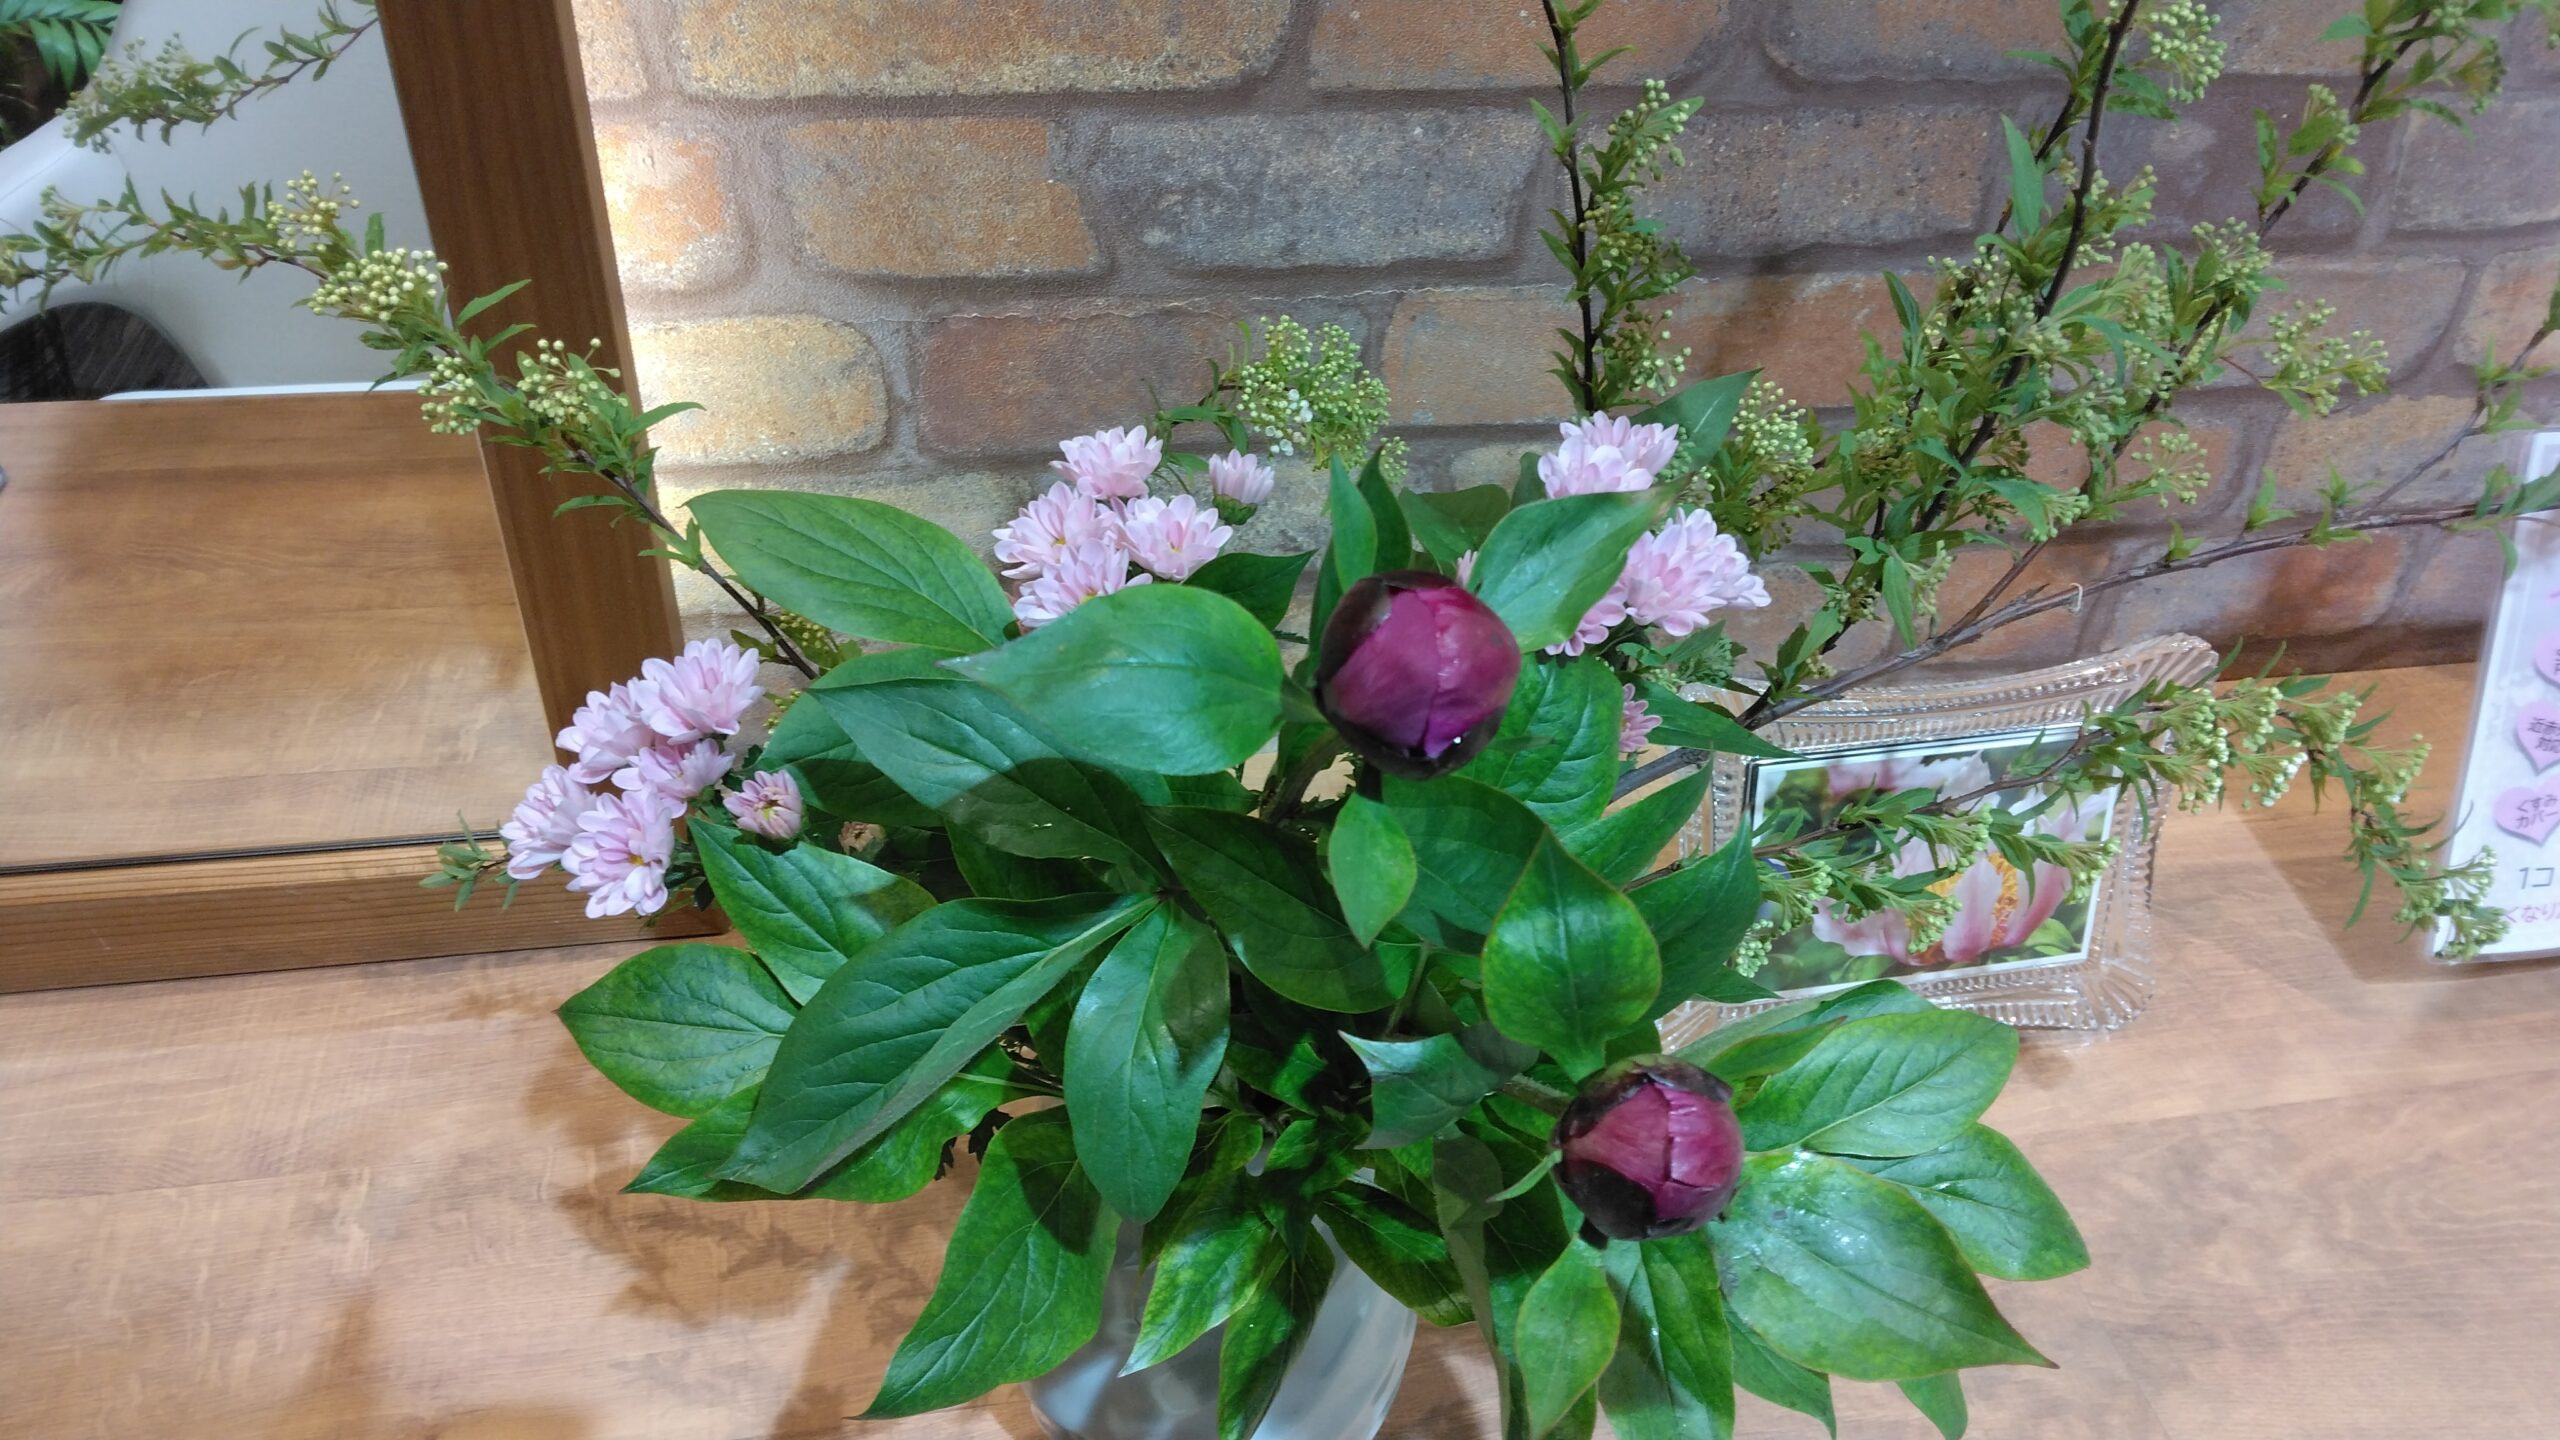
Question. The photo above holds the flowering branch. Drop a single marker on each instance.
(174, 88)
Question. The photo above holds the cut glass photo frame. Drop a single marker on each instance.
(2508, 799)
(2082, 964)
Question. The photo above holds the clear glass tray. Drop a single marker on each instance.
(2111, 981)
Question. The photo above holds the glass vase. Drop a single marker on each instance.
(2107, 979)
(1339, 1387)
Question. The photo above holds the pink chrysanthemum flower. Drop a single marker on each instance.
(703, 692)
(605, 733)
(678, 772)
(1596, 624)
(1636, 723)
(1686, 571)
(1111, 464)
(1646, 447)
(1240, 477)
(768, 805)
(1049, 527)
(545, 822)
(1082, 574)
(619, 859)
(1172, 537)
(1581, 467)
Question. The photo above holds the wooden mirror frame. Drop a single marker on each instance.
(494, 100)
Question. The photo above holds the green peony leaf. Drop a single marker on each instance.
(1569, 963)
(1885, 1085)
(1470, 843)
(965, 751)
(1418, 1087)
(1265, 585)
(807, 910)
(1702, 411)
(1672, 1378)
(886, 1032)
(682, 1026)
(1568, 1331)
(1779, 1380)
(1699, 914)
(1702, 727)
(1149, 1033)
(2008, 1222)
(1776, 1038)
(1164, 678)
(1263, 889)
(870, 570)
(1845, 1273)
(1941, 1398)
(1627, 842)
(1371, 863)
(1210, 1251)
(1550, 561)
(1562, 727)
(1021, 1284)
(1397, 1248)
(1266, 1333)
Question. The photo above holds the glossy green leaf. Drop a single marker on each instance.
(1556, 750)
(965, 751)
(1209, 1248)
(1149, 1033)
(1371, 863)
(1550, 561)
(1941, 1398)
(807, 910)
(2008, 1222)
(1702, 727)
(870, 570)
(1265, 585)
(1470, 843)
(1265, 1334)
(1699, 914)
(1703, 412)
(1780, 1381)
(681, 1027)
(1778, 1037)
(1628, 842)
(1885, 1085)
(1568, 1330)
(1845, 1273)
(1352, 555)
(1266, 893)
(1418, 1087)
(884, 1033)
(1021, 1283)
(1397, 1248)
(1449, 523)
(1672, 1378)
(1569, 962)
(1465, 1177)
(1164, 678)
(893, 1167)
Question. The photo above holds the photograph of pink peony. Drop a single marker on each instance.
(2000, 912)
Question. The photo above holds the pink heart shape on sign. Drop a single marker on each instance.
(2546, 657)
(2538, 731)
(2531, 813)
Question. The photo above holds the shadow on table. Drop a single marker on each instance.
(344, 1395)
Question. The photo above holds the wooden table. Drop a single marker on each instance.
(2319, 1179)
(233, 622)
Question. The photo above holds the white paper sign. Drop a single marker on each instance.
(2510, 797)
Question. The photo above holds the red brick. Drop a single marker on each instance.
(1019, 384)
(2047, 639)
(2499, 174)
(2282, 37)
(2407, 303)
(2057, 458)
(609, 49)
(774, 388)
(2514, 301)
(770, 49)
(2380, 440)
(1436, 45)
(1805, 333)
(2284, 595)
(933, 198)
(1759, 182)
(1905, 40)
(1475, 357)
(667, 194)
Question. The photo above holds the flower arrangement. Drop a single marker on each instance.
(1284, 938)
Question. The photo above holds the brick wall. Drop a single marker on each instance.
(902, 247)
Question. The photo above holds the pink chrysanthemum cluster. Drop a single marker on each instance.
(1098, 531)
(661, 740)
(1676, 577)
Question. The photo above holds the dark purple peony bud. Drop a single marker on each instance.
(1650, 1148)
(1415, 672)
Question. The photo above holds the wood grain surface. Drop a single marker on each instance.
(233, 623)
(381, 1201)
